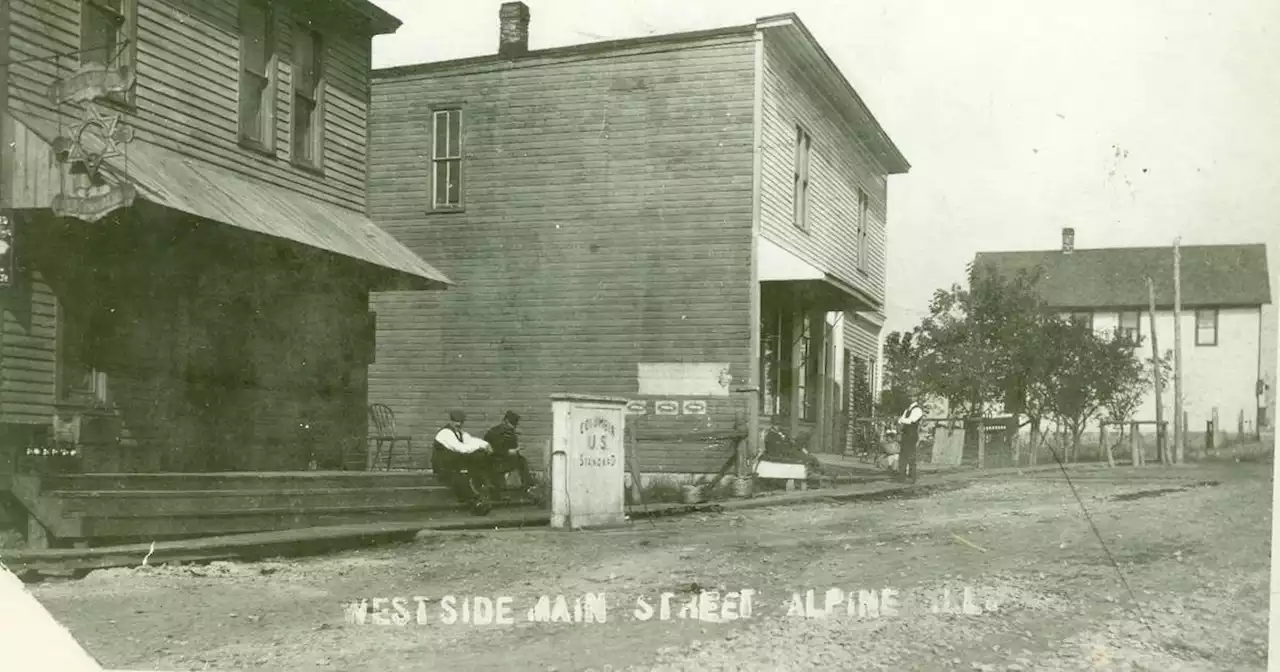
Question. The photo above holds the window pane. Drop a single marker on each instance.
(440, 177)
(455, 134)
(455, 182)
(439, 146)
(252, 88)
(303, 128)
(99, 34)
(1204, 319)
(254, 31)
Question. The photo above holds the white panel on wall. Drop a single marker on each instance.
(676, 379)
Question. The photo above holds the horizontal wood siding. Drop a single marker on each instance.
(244, 357)
(862, 339)
(187, 66)
(838, 167)
(28, 348)
(607, 223)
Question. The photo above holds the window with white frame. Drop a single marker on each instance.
(1082, 317)
(862, 230)
(308, 98)
(446, 159)
(1207, 327)
(801, 195)
(257, 74)
(1130, 325)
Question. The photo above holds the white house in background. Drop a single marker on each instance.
(1224, 289)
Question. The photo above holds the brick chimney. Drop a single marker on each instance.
(1068, 241)
(513, 30)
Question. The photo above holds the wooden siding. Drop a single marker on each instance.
(838, 167)
(862, 339)
(219, 355)
(608, 223)
(187, 90)
(28, 347)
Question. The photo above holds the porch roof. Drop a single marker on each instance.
(777, 265)
(181, 183)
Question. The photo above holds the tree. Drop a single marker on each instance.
(1082, 373)
(902, 382)
(979, 344)
(1130, 389)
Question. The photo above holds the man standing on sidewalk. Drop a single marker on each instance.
(910, 422)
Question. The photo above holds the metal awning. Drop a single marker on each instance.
(775, 264)
(170, 179)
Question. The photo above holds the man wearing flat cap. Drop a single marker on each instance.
(462, 462)
(506, 452)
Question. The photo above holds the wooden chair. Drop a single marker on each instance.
(383, 422)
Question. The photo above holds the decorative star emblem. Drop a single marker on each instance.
(105, 130)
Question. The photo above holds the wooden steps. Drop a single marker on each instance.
(239, 480)
(137, 503)
(99, 509)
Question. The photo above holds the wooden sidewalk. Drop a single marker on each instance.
(33, 564)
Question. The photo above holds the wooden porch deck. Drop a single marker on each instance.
(88, 510)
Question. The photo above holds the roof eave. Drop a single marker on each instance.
(380, 20)
(892, 158)
(586, 49)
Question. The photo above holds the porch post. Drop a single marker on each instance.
(818, 341)
(797, 370)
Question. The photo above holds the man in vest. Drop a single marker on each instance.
(910, 422)
(462, 462)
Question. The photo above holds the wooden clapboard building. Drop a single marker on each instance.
(696, 222)
(188, 259)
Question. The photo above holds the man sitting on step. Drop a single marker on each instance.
(462, 462)
(506, 454)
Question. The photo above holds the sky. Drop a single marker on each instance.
(1133, 121)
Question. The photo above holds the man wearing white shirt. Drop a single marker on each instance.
(910, 422)
(461, 461)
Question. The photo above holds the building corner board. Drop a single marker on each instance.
(757, 163)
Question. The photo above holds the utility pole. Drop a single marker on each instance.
(1162, 445)
(1179, 431)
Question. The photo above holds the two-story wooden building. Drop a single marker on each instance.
(188, 257)
(696, 222)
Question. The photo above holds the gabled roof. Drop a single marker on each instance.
(787, 28)
(1212, 275)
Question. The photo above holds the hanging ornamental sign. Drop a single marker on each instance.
(96, 136)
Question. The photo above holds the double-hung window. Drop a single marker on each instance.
(1130, 325)
(1207, 327)
(308, 98)
(801, 193)
(862, 230)
(446, 159)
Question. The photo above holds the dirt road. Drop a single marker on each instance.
(1042, 593)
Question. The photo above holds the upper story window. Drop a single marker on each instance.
(257, 75)
(1130, 325)
(862, 230)
(1207, 327)
(108, 34)
(308, 98)
(446, 159)
(801, 196)
(1082, 317)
